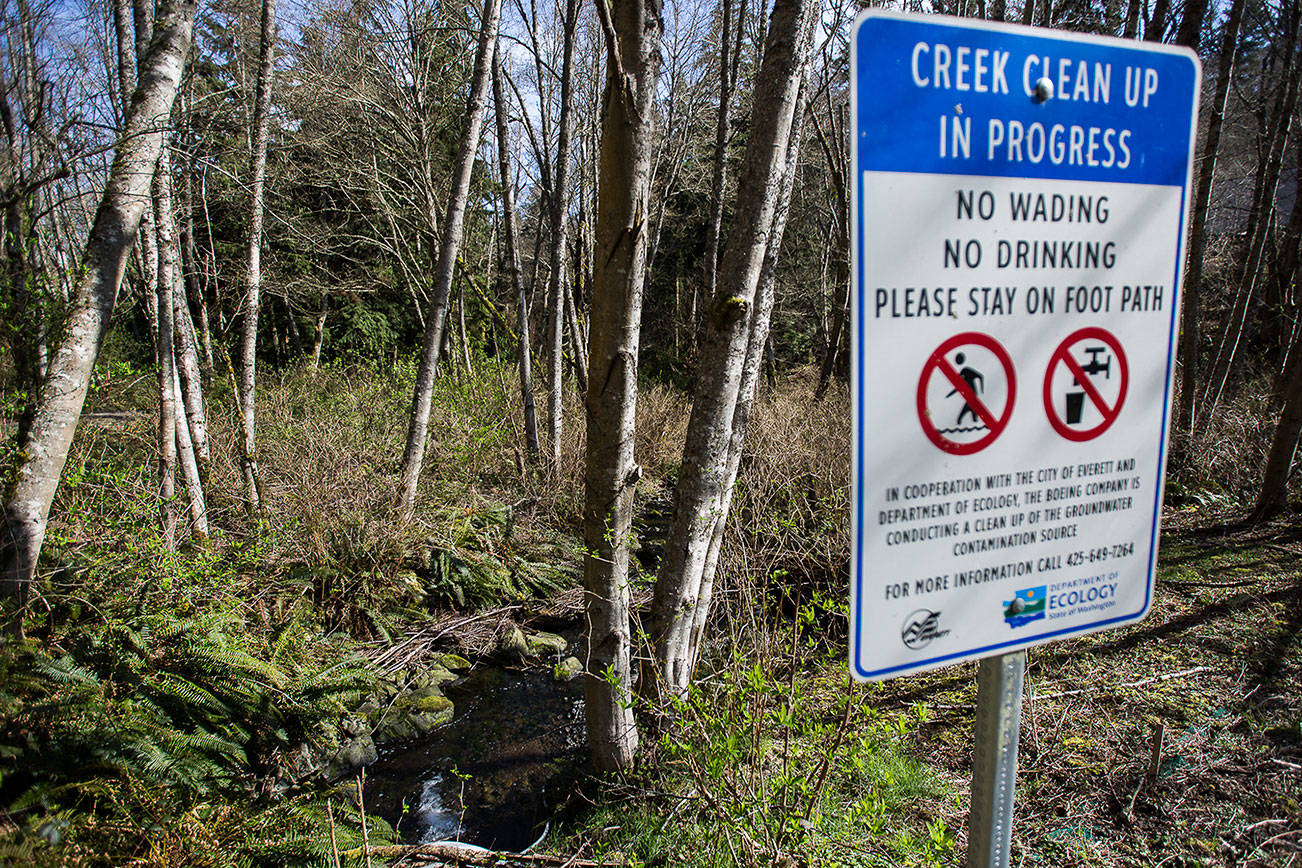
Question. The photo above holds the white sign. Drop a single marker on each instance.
(1020, 198)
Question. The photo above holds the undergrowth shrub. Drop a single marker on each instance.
(158, 735)
(771, 759)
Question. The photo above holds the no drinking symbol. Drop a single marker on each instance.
(966, 393)
(1085, 384)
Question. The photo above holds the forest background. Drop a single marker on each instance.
(287, 289)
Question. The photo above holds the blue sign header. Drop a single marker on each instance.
(943, 96)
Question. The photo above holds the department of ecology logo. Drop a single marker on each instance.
(1027, 605)
(920, 628)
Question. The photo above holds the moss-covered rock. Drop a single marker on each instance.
(513, 644)
(454, 662)
(546, 643)
(567, 670)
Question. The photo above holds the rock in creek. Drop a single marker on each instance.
(567, 670)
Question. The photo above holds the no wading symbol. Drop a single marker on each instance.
(1085, 384)
(966, 393)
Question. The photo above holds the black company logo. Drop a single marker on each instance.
(921, 627)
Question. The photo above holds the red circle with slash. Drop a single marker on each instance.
(939, 363)
(1108, 411)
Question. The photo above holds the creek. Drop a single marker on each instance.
(493, 774)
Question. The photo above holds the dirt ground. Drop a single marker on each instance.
(1175, 742)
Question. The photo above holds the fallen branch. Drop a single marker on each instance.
(451, 854)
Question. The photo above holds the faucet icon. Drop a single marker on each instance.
(1094, 366)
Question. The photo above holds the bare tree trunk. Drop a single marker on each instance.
(1284, 290)
(182, 395)
(580, 356)
(449, 247)
(722, 132)
(1155, 26)
(126, 196)
(142, 16)
(1277, 131)
(1191, 24)
(559, 201)
(838, 163)
(1190, 338)
(758, 351)
(167, 378)
(190, 263)
(191, 476)
(610, 477)
(1283, 447)
(1131, 30)
(318, 336)
(513, 261)
(184, 354)
(730, 342)
(248, 345)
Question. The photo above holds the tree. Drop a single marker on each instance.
(248, 341)
(512, 245)
(560, 189)
(1189, 321)
(449, 249)
(731, 334)
(36, 475)
(633, 30)
(1274, 128)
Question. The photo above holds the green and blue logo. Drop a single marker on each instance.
(1027, 605)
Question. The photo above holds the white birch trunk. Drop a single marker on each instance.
(633, 62)
(126, 197)
(449, 247)
(703, 484)
(167, 378)
(560, 235)
(248, 342)
(512, 243)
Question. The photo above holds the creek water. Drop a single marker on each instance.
(492, 775)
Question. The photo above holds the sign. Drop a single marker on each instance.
(1019, 198)
(1074, 400)
(985, 405)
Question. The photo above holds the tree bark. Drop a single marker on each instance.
(1277, 130)
(248, 341)
(759, 350)
(449, 247)
(1155, 25)
(512, 243)
(143, 18)
(682, 585)
(167, 377)
(1283, 446)
(719, 173)
(633, 29)
(318, 335)
(559, 200)
(1190, 338)
(126, 196)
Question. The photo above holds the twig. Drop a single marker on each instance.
(361, 810)
(334, 844)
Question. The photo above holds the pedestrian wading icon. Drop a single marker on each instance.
(966, 393)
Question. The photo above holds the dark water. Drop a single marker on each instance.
(491, 775)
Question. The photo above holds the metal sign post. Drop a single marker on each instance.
(1019, 200)
(994, 760)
